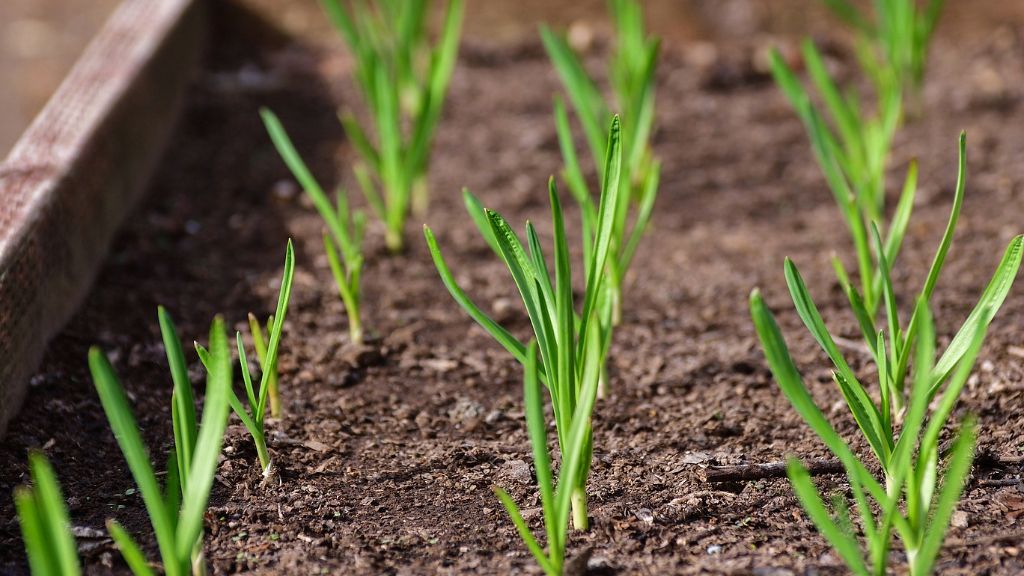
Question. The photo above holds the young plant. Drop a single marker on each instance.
(571, 347)
(176, 511)
(917, 499)
(894, 40)
(910, 500)
(853, 153)
(851, 143)
(253, 418)
(345, 228)
(259, 343)
(632, 78)
(555, 498)
(404, 80)
(45, 526)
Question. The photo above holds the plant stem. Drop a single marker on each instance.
(420, 196)
(579, 508)
(261, 452)
(198, 560)
(616, 296)
(275, 399)
(911, 556)
(355, 328)
(393, 240)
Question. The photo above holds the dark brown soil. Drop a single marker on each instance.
(387, 460)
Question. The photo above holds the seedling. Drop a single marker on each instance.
(555, 499)
(632, 78)
(45, 526)
(404, 79)
(894, 40)
(345, 228)
(176, 512)
(571, 347)
(254, 417)
(853, 157)
(851, 143)
(911, 500)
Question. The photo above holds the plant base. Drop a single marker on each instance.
(580, 521)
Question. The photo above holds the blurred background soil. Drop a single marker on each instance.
(41, 39)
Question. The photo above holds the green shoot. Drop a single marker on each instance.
(852, 145)
(404, 80)
(345, 228)
(45, 526)
(632, 78)
(894, 42)
(254, 418)
(259, 342)
(555, 499)
(176, 511)
(853, 153)
(911, 499)
(571, 347)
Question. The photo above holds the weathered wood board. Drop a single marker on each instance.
(75, 173)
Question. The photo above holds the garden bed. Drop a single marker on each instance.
(387, 454)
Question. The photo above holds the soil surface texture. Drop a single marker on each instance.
(386, 454)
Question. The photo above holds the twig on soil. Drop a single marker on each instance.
(998, 482)
(750, 472)
(1011, 537)
(822, 466)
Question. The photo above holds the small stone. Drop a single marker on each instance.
(316, 445)
(959, 519)
(580, 37)
(422, 421)
(696, 458)
(518, 471)
(439, 365)
(284, 190)
(361, 355)
(714, 549)
(87, 532)
(644, 515)
(466, 413)
(702, 55)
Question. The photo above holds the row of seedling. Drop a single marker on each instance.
(903, 417)
(176, 506)
(403, 77)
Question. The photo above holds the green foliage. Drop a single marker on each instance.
(555, 498)
(345, 228)
(917, 498)
(853, 153)
(254, 417)
(851, 139)
(258, 332)
(632, 78)
(571, 347)
(45, 526)
(404, 79)
(893, 41)
(176, 511)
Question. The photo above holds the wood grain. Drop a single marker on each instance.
(75, 173)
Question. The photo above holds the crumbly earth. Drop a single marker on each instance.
(386, 456)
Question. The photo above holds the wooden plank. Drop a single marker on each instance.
(75, 173)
